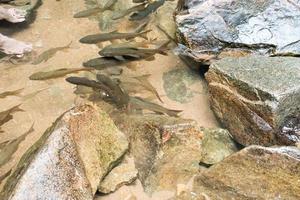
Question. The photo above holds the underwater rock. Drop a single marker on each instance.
(253, 173)
(167, 150)
(217, 144)
(256, 97)
(216, 29)
(123, 174)
(70, 159)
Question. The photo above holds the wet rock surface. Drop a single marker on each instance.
(255, 97)
(216, 29)
(70, 159)
(253, 173)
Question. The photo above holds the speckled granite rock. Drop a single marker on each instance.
(255, 173)
(217, 144)
(70, 159)
(216, 29)
(257, 97)
(123, 174)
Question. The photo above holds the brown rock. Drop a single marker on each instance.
(254, 173)
(70, 159)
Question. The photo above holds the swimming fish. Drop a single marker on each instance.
(132, 51)
(139, 103)
(119, 97)
(12, 146)
(46, 55)
(123, 13)
(6, 115)
(56, 73)
(93, 11)
(11, 93)
(103, 62)
(101, 37)
(33, 94)
(151, 8)
(146, 84)
(87, 12)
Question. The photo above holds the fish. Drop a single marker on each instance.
(141, 27)
(132, 51)
(6, 115)
(2, 177)
(56, 73)
(105, 84)
(46, 55)
(119, 97)
(33, 94)
(146, 84)
(139, 1)
(123, 13)
(103, 62)
(87, 12)
(102, 37)
(12, 146)
(151, 8)
(139, 103)
(11, 93)
(93, 11)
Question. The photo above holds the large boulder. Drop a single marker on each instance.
(70, 159)
(254, 173)
(214, 29)
(257, 98)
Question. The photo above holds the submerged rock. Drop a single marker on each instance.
(215, 29)
(70, 159)
(217, 144)
(256, 97)
(253, 173)
(123, 174)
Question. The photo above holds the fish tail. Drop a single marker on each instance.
(144, 34)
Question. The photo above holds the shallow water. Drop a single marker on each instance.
(55, 26)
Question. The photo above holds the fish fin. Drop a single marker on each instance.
(114, 31)
(144, 34)
(173, 113)
(121, 58)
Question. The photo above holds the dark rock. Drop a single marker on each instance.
(257, 98)
(217, 29)
(253, 173)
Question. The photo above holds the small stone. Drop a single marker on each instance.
(217, 144)
(123, 174)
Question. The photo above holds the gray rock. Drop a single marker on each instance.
(253, 173)
(217, 144)
(70, 159)
(123, 174)
(213, 29)
(257, 98)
